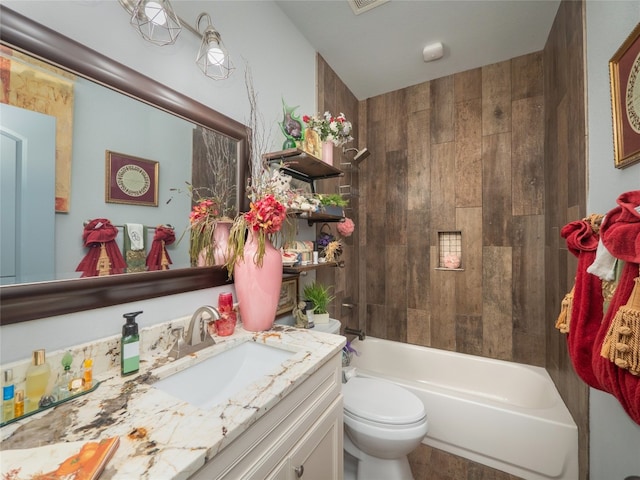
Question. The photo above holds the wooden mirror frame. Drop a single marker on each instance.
(23, 302)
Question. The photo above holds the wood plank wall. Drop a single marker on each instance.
(334, 96)
(460, 153)
(566, 196)
(481, 151)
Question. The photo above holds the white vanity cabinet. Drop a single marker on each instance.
(315, 457)
(299, 438)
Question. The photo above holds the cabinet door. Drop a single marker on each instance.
(319, 454)
(282, 471)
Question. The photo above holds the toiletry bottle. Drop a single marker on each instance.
(87, 373)
(130, 345)
(62, 387)
(8, 400)
(37, 379)
(19, 403)
(76, 383)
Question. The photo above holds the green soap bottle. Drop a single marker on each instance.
(130, 345)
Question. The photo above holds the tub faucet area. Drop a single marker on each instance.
(198, 336)
(354, 331)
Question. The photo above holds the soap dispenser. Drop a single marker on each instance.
(130, 345)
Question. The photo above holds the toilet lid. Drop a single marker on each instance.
(381, 401)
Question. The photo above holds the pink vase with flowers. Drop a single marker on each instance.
(258, 286)
(327, 152)
(255, 263)
(333, 131)
(218, 246)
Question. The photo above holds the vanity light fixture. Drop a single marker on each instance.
(155, 20)
(213, 57)
(158, 23)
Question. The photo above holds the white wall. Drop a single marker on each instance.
(257, 34)
(614, 437)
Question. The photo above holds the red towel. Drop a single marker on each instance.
(158, 258)
(96, 233)
(620, 232)
(586, 313)
(617, 381)
(620, 228)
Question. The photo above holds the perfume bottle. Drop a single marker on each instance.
(8, 400)
(36, 380)
(62, 387)
(87, 373)
(19, 404)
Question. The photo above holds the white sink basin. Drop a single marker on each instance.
(216, 379)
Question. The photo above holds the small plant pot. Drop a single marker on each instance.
(333, 210)
(319, 318)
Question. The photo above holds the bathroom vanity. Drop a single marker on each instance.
(287, 424)
(301, 437)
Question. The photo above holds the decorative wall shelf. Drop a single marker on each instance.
(313, 266)
(307, 168)
(317, 217)
(302, 166)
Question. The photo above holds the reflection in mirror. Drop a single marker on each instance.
(101, 120)
(35, 300)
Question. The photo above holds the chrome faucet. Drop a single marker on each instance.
(197, 337)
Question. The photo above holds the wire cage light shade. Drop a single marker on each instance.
(213, 57)
(156, 21)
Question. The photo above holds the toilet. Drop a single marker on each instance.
(383, 422)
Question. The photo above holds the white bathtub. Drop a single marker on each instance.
(505, 415)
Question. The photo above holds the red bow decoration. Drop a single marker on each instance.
(158, 258)
(104, 257)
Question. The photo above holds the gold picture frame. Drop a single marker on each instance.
(288, 296)
(131, 180)
(624, 76)
(312, 144)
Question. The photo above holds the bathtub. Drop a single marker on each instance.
(505, 415)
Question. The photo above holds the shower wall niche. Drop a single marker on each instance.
(449, 251)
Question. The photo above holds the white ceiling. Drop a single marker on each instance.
(380, 50)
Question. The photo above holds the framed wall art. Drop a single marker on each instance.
(311, 143)
(288, 296)
(624, 74)
(131, 180)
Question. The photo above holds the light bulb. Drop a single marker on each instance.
(155, 13)
(215, 55)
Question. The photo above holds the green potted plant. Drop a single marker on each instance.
(332, 203)
(320, 296)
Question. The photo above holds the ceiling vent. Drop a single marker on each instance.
(361, 6)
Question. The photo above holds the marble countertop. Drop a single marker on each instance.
(162, 437)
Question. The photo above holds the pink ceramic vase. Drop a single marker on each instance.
(220, 241)
(327, 152)
(258, 287)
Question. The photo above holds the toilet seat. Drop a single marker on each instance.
(377, 401)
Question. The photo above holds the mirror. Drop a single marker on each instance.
(35, 300)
